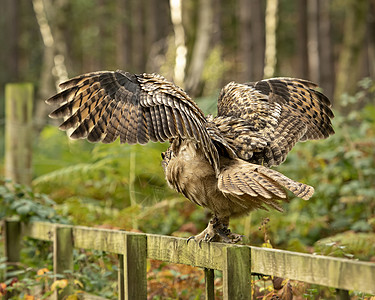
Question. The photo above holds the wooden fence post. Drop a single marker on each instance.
(62, 255)
(209, 277)
(237, 273)
(342, 294)
(121, 281)
(12, 242)
(135, 267)
(12, 246)
(18, 132)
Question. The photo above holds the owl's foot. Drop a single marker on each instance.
(216, 231)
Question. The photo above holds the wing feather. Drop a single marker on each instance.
(257, 185)
(102, 106)
(263, 120)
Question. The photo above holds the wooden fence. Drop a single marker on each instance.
(236, 262)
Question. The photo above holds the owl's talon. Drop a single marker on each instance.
(190, 238)
(216, 231)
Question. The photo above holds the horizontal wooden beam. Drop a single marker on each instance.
(317, 269)
(39, 230)
(322, 270)
(177, 250)
(100, 239)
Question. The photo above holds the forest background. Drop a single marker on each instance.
(200, 45)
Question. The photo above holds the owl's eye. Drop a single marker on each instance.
(163, 155)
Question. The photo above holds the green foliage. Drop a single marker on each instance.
(98, 172)
(349, 244)
(97, 272)
(21, 202)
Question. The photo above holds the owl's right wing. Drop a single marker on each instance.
(263, 120)
(102, 106)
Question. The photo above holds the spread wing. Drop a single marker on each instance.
(263, 120)
(103, 106)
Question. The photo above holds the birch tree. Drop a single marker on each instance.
(271, 27)
(179, 38)
(201, 46)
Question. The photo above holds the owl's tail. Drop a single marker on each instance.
(254, 185)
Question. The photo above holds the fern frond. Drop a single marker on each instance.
(83, 170)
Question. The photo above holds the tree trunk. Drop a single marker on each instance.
(217, 22)
(258, 40)
(271, 27)
(158, 29)
(245, 41)
(139, 49)
(251, 40)
(313, 35)
(53, 69)
(10, 48)
(302, 54)
(123, 37)
(370, 65)
(349, 59)
(201, 46)
(326, 69)
(179, 38)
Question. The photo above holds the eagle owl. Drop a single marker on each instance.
(221, 163)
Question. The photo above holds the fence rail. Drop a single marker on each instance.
(236, 262)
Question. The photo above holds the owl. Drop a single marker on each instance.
(222, 163)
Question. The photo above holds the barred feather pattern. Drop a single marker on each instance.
(258, 186)
(103, 106)
(270, 116)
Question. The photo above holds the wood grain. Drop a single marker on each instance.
(235, 261)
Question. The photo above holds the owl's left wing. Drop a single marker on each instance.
(263, 120)
(103, 106)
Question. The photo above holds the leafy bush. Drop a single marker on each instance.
(21, 202)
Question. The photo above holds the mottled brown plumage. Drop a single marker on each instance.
(221, 163)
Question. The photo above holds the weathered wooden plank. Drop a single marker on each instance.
(135, 267)
(39, 230)
(18, 131)
(209, 278)
(328, 271)
(176, 250)
(62, 256)
(99, 239)
(237, 274)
